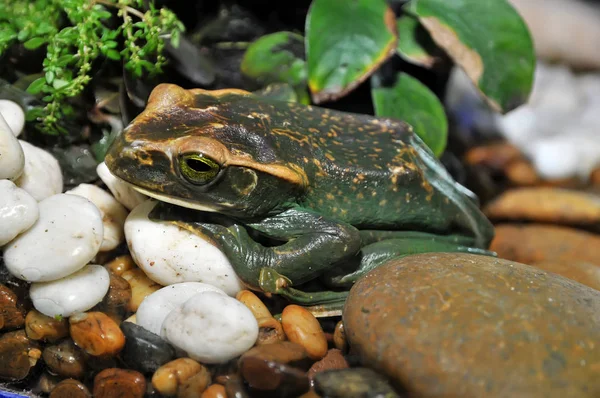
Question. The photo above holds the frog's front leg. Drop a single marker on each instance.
(310, 244)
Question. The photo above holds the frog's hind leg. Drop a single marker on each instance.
(381, 246)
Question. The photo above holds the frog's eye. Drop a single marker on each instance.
(197, 168)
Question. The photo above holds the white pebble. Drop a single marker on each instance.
(41, 176)
(154, 308)
(14, 116)
(113, 213)
(77, 292)
(66, 236)
(122, 191)
(169, 254)
(12, 158)
(211, 328)
(18, 211)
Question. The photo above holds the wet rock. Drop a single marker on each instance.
(215, 391)
(141, 287)
(234, 387)
(533, 243)
(120, 264)
(339, 337)
(584, 273)
(171, 376)
(468, 325)
(45, 383)
(115, 382)
(332, 360)
(18, 355)
(277, 369)
(300, 326)
(65, 359)
(119, 292)
(551, 205)
(269, 331)
(12, 314)
(42, 327)
(70, 388)
(195, 385)
(353, 383)
(96, 333)
(144, 351)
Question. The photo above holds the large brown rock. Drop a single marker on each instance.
(443, 324)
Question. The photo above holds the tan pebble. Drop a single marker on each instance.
(113, 382)
(42, 327)
(96, 333)
(141, 286)
(70, 388)
(195, 385)
(339, 337)
(215, 391)
(12, 315)
(250, 300)
(120, 264)
(119, 292)
(521, 172)
(300, 326)
(269, 331)
(168, 378)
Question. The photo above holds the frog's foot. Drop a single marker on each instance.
(404, 243)
(320, 304)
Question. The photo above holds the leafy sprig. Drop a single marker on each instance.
(77, 33)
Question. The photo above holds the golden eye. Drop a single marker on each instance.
(197, 168)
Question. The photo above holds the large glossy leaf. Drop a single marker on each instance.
(276, 58)
(411, 101)
(414, 42)
(345, 42)
(489, 40)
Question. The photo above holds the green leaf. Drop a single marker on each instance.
(59, 83)
(49, 77)
(34, 43)
(36, 86)
(113, 54)
(414, 43)
(277, 57)
(345, 42)
(411, 101)
(489, 40)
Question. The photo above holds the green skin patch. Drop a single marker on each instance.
(295, 192)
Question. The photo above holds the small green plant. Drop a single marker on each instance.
(79, 32)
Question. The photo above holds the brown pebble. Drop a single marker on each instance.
(333, 360)
(256, 306)
(120, 264)
(42, 327)
(70, 388)
(285, 352)
(300, 326)
(96, 333)
(141, 286)
(534, 243)
(18, 354)
(522, 173)
(195, 385)
(168, 378)
(215, 391)
(119, 292)
(46, 383)
(65, 359)
(339, 337)
(269, 331)
(585, 273)
(595, 177)
(493, 156)
(12, 314)
(115, 383)
(235, 388)
(543, 204)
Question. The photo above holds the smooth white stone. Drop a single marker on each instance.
(14, 116)
(12, 158)
(66, 236)
(122, 191)
(77, 292)
(169, 254)
(519, 125)
(211, 328)
(18, 211)
(41, 176)
(154, 308)
(113, 213)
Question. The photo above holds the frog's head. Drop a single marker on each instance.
(202, 150)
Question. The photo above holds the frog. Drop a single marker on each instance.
(293, 193)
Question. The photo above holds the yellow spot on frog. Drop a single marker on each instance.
(329, 156)
(383, 202)
(330, 196)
